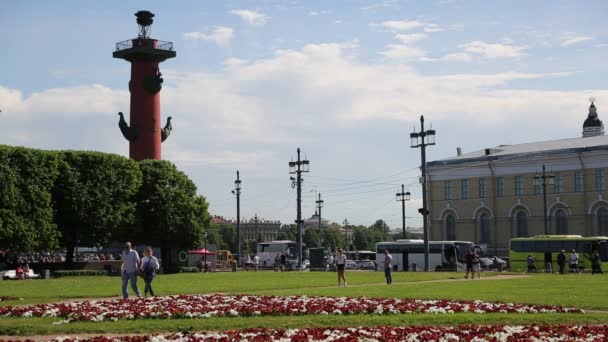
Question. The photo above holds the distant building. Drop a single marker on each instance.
(313, 222)
(265, 230)
(489, 196)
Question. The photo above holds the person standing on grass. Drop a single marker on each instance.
(130, 265)
(596, 263)
(561, 261)
(469, 262)
(341, 265)
(149, 267)
(573, 261)
(476, 266)
(256, 262)
(388, 259)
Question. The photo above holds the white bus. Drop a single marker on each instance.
(268, 251)
(408, 255)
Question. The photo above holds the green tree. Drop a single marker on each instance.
(332, 238)
(361, 238)
(93, 198)
(311, 238)
(169, 212)
(26, 215)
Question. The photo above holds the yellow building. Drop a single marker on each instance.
(490, 196)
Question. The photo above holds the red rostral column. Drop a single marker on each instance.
(144, 54)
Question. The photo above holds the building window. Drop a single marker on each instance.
(559, 183)
(521, 224)
(450, 227)
(599, 180)
(538, 188)
(578, 181)
(484, 228)
(482, 188)
(464, 188)
(500, 186)
(561, 222)
(447, 188)
(602, 221)
(519, 185)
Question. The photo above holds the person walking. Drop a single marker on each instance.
(476, 266)
(149, 267)
(388, 259)
(596, 263)
(573, 261)
(283, 261)
(469, 262)
(341, 265)
(330, 261)
(130, 265)
(256, 262)
(531, 266)
(561, 261)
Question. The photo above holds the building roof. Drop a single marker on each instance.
(528, 150)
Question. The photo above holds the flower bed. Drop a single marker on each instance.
(418, 333)
(201, 306)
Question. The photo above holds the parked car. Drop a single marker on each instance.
(367, 265)
(494, 263)
(350, 265)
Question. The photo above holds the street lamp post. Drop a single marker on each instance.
(205, 255)
(403, 196)
(319, 206)
(297, 167)
(237, 192)
(418, 140)
(543, 180)
(255, 232)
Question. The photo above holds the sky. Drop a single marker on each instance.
(345, 81)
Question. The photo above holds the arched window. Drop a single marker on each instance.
(561, 222)
(484, 228)
(450, 227)
(602, 221)
(521, 224)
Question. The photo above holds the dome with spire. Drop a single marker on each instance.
(593, 126)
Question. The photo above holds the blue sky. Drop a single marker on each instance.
(346, 81)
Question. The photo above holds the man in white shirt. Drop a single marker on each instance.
(130, 265)
(256, 262)
(573, 261)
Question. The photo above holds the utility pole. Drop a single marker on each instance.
(255, 232)
(237, 192)
(319, 206)
(297, 168)
(418, 140)
(403, 196)
(543, 180)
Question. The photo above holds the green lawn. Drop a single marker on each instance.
(583, 291)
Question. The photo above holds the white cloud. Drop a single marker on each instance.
(254, 18)
(570, 39)
(493, 51)
(317, 13)
(406, 25)
(220, 35)
(402, 52)
(410, 38)
(450, 57)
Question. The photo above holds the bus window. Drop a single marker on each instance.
(569, 245)
(541, 246)
(603, 249)
(516, 246)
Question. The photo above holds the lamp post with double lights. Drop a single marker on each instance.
(543, 180)
(403, 196)
(297, 167)
(255, 232)
(206, 251)
(319, 206)
(423, 139)
(237, 192)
